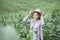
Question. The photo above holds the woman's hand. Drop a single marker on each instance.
(42, 17)
(30, 13)
(42, 14)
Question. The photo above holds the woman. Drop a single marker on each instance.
(36, 24)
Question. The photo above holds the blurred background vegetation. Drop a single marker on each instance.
(12, 13)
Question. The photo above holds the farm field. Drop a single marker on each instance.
(12, 13)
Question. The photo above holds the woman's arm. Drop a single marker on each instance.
(26, 18)
(42, 17)
(42, 20)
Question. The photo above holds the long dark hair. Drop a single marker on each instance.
(39, 13)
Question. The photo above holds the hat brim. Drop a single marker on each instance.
(40, 13)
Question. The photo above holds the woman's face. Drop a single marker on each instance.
(36, 16)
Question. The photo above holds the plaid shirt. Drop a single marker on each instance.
(40, 29)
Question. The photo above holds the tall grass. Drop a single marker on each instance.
(12, 12)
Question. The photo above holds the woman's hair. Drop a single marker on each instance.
(39, 13)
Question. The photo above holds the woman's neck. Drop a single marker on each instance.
(35, 21)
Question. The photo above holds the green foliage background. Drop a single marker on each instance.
(12, 13)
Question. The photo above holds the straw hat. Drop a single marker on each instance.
(37, 11)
